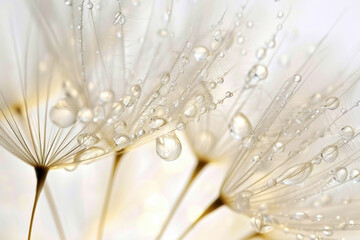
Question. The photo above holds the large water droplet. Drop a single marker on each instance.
(332, 103)
(329, 153)
(200, 53)
(347, 133)
(257, 73)
(296, 174)
(240, 127)
(168, 147)
(262, 223)
(89, 154)
(62, 115)
(121, 140)
(340, 174)
(87, 140)
(85, 115)
(190, 111)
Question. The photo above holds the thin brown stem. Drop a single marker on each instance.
(108, 194)
(54, 212)
(216, 204)
(41, 173)
(199, 166)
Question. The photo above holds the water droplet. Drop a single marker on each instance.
(163, 33)
(299, 236)
(243, 201)
(200, 53)
(120, 126)
(135, 91)
(165, 78)
(68, 2)
(257, 73)
(347, 133)
(260, 53)
(278, 147)
(62, 115)
(262, 223)
(156, 122)
(180, 126)
(87, 140)
(121, 140)
(240, 127)
(249, 24)
(296, 174)
(240, 39)
(280, 14)
(329, 153)
(89, 154)
(106, 96)
(271, 43)
(168, 147)
(119, 18)
(85, 115)
(340, 174)
(301, 216)
(327, 231)
(90, 5)
(355, 175)
(332, 103)
(297, 78)
(190, 111)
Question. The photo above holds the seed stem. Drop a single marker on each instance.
(217, 203)
(41, 173)
(108, 194)
(198, 168)
(54, 212)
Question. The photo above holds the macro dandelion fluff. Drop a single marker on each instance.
(102, 77)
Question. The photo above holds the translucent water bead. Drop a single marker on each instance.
(62, 115)
(168, 147)
(240, 127)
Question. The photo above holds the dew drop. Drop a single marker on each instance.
(296, 174)
(347, 133)
(180, 126)
(119, 18)
(355, 175)
(89, 154)
(120, 126)
(301, 216)
(106, 96)
(200, 53)
(87, 140)
(156, 122)
(121, 140)
(240, 127)
(332, 103)
(340, 174)
(165, 78)
(280, 14)
(168, 147)
(62, 115)
(85, 115)
(278, 147)
(68, 2)
(135, 91)
(243, 201)
(327, 231)
(190, 111)
(297, 78)
(262, 223)
(329, 153)
(257, 73)
(260, 53)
